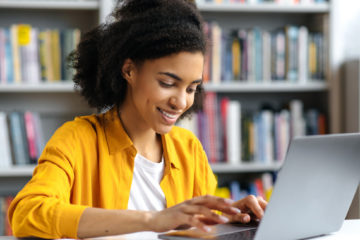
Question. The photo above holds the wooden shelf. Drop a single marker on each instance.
(265, 7)
(17, 171)
(314, 86)
(51, 4)
(244, 167)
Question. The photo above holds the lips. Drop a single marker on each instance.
(169, 117)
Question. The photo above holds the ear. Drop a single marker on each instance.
(128, 70)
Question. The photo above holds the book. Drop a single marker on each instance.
(211, 116)
(216, 52)
(224, 106)
(267, 183)
(2, 57)
(18, 139)
(39, 133)
(233, 132)
(24, 39)
(297, 118)
(55, 54)
(303, 54)
(5, 150)
(15, 53)
(30, 136)
(32, 63)
(292, 37)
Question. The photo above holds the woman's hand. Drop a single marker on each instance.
(251, 207)
(196, 212)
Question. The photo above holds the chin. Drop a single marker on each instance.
(163, 129)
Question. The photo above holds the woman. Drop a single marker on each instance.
(128, 169)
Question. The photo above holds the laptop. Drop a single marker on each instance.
(311, 196)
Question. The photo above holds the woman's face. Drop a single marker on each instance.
(164, 88)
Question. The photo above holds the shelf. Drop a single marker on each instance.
(60, 87)
(265, 7)
(244, 167)
(316, 86)
(51, 4)
(17, 171)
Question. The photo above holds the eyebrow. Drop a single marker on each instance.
(176, 77)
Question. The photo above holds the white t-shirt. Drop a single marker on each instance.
(145, 192)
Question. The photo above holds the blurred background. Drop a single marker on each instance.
(274, 70)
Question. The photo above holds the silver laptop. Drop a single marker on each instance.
(311, 196)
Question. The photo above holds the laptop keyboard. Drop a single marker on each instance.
(243, 235)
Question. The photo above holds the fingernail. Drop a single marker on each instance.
(223, 219)
(207, 229)
(245, 218)
(229, 201)
(236, 210)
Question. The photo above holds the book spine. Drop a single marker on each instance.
(18, 139)
(30, 134)
(234, 132)
(5, 146)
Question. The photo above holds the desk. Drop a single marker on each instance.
(350, 230)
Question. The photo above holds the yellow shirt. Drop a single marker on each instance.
(89, 162)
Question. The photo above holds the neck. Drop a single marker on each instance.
(146, 141)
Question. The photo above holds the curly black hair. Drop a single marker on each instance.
(139, 30)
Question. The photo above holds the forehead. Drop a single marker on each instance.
(185, 64)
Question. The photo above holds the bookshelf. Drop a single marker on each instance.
(85, 14)
(55, 102)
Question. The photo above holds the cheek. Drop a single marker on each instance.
(190, 100)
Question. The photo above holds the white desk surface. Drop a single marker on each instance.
(350, 230)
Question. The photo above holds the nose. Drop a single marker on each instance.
(178, 101)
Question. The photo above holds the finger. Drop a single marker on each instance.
(205, 212)
(242, 217)
(252, 203)
(195, 222)
(262, 202)
(207, 221)
(216, 203)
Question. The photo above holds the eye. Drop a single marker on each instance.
(166, 85)
(191, 90)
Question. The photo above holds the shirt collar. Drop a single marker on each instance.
(118, 139)
(116, 136)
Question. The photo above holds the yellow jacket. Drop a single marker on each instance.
(89, 162)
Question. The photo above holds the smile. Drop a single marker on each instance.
(168, 115)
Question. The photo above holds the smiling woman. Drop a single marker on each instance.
(130, 169)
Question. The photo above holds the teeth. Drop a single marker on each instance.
(167, 114)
